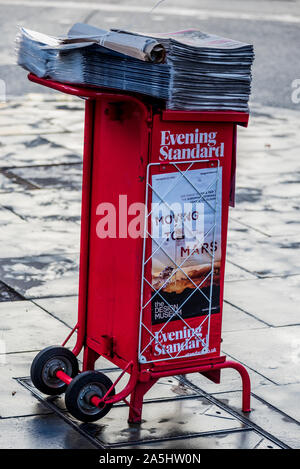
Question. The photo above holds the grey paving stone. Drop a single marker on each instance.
(26, 327)
(234, 273)
(266, 417)
(56, 176)
(236, 320)
(41, 116)
(148, 437)
(8, 184)
(36, 238)
(285, 398)
(237, 230)
(272, 352)
(273, 300)
(31, 150)
(63, 308)
(266, 161)
(237, 440)
(15, 400)
(7, 217)
(282, 186)
(8, 294)
(41, 276)
(178, 418)
(266, 258)
(73, 141)
(40, 432)
(252, 199)
(33, 128)
(257, 143)
(44, 205)
(272, 223)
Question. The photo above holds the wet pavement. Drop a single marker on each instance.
(40, 179)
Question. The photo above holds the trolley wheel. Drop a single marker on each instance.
(47, 363)
(80, 391)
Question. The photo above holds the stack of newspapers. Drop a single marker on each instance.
(189, 70)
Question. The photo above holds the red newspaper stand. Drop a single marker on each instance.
(150, 293)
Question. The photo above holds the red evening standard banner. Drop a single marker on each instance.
(186, 254)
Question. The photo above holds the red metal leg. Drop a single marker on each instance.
(136, 400)
(217, 366)
(89, 359)
(245, 383)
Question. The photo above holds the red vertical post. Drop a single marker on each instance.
(85, 225)
(136, 400)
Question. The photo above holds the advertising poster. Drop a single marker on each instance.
(186, 232)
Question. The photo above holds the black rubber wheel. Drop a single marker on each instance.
(80, 391)
(46, 363)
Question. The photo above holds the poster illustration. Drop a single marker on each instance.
(186, 234)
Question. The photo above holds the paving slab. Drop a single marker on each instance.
(73, 141)
(285, 398)
(9, 184)
(266, 161)
(272, 352)
(271, 223)
(15, 400)
(256, 143)
(31, 150)
(235, 440)
(173, 419)
(167, 415)
(238, 229)
(67, 177)
(282, 185)
(41, 276)
(37, 116)
(272, 300)
(236, 320)
(251, 199)
(53, 237)
(63, 308)
(235, 272)
(266, 258)
(7, 217)
(44, 205)
(275, 423)
(40, 432)
(26, 327)
(8, 294)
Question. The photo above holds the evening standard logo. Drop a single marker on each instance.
(187, 339)
(191, 145)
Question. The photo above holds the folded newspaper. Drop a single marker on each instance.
(189, 69)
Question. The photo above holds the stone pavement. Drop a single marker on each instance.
(40, 179)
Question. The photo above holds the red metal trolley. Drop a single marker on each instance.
(150, 301)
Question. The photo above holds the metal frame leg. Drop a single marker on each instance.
(89, 359)
(136, 400)
(246, 384)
